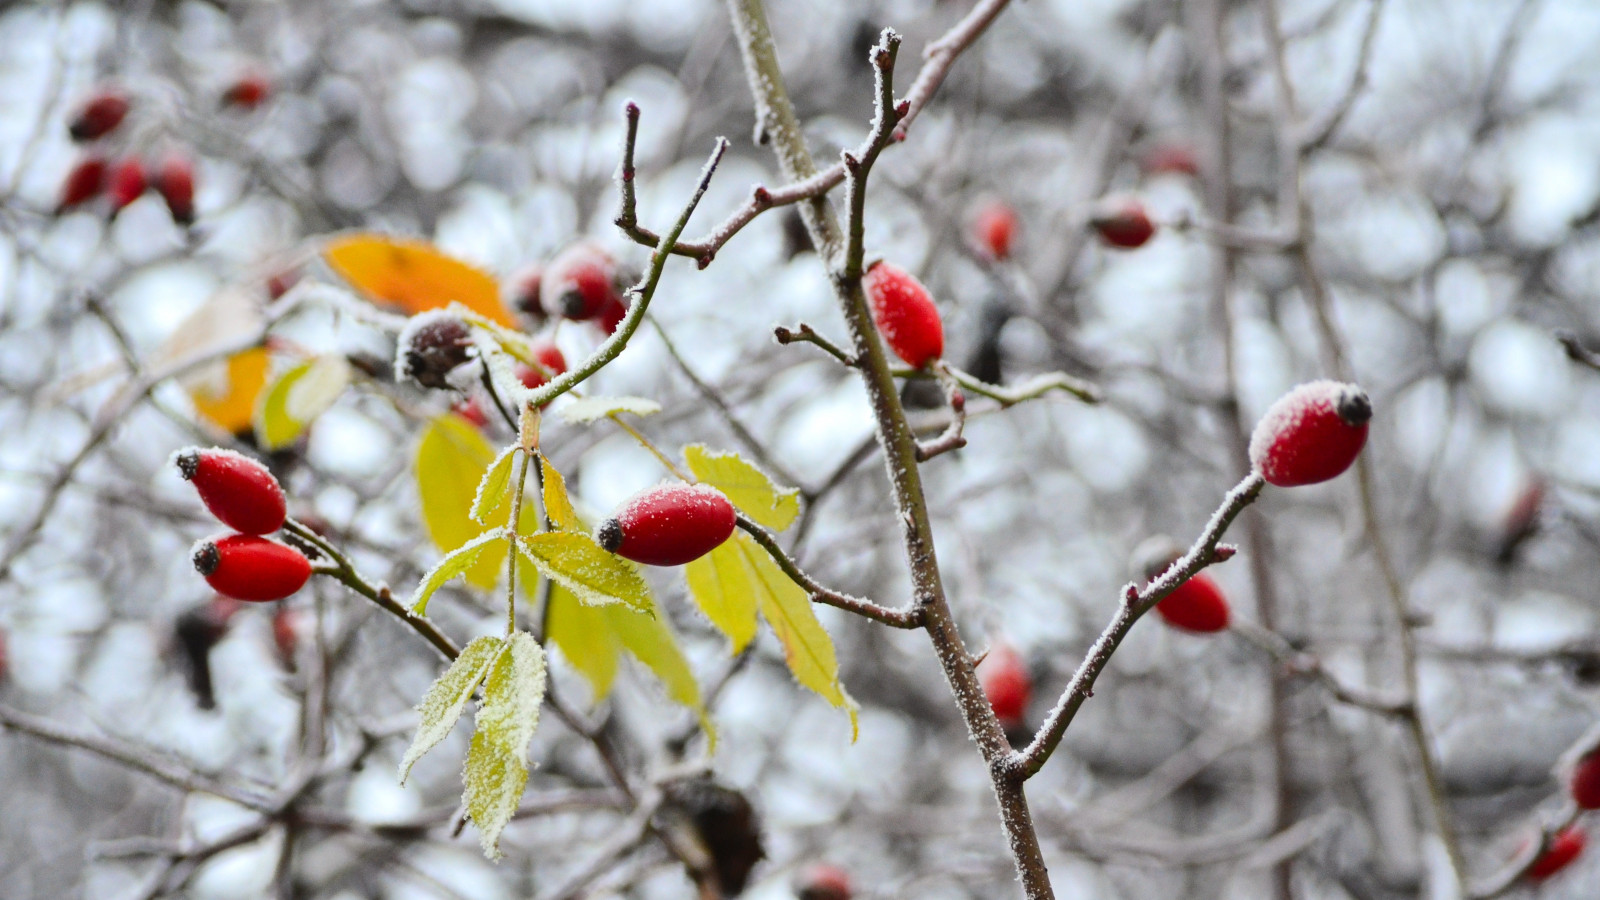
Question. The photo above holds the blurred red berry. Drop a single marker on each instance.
(239, 491)
(85, 182)
(904, 313)
(248, 92)
(1007, 684)
(1196, 605)
(99, 115)
(1124, 223)
(1174, 159)
(247, 567)
(611, 316)
(525, 293)
(1585, 781)
(1311, 434)
(1565, 847)
(546, 354)
(579, 282)
(669, 524)
(127, 183)
(471, 410)
(279, 283)
(994, 229)
(175, 183)
(821, 881)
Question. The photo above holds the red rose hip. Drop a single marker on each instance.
(247, 567)
(1007, 684)
(1311, 434)
(239, 491)
(904, 313)
(611, 316)
(822, 881)
(546, 354)
(579, 282)
(1124, 224)
(994, 229)
(84, 183)
(1196, 605)
(1585, 781)
(127, 183)
(248, 92)
(669, 525)
(175, 183)
(1565, 847)
(98, 116)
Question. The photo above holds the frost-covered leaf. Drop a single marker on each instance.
(441, 706)
(574, 561)
(751, 490)
(414, 276)
(652, 643)
(495, 485)
(584, 635)
(588, 409)
(557, 504)
(314, 392)
(806, 646)
(455, 562)
(720, 583)
(451, 460)
(496, 771)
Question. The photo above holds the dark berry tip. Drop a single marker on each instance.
(206, 558)
(188, 463)
(610, 535)
(572, 305)
(1354, 407)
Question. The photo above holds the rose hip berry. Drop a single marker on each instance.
(1196, 605)
(1124, 223)
(904, 313)
(239, 491)
(85, 182)
(1565, 847)
(1311, 434)
(127, 182)
(1585, 781)
(175, 183)
(669, 524)
(1007, 684)
(248, 567)
(611, 316)
(546, 354)
(248, 92)
(98, 116)
(525, 293)
(432, 345)
(579, 282)
(994, 229)
(821, 881)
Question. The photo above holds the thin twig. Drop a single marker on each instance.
(908, 617)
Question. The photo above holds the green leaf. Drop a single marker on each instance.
(806, 646)
(456, 562)
(274, 427)
(441, 706)
(574, 561)
(557, 505)
(721, 584)
(496, 771)
(451, 460)
(495, 486)
(751, 490)
(316, 390)
(587, 409)
(584, 635)
(648, 638)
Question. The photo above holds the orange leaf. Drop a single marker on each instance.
(230, 404)
(414, 276)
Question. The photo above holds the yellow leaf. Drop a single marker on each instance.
(414, 276)
(230, 404)
(274, 427)
(806, 646)
(584, 635)
(321, 386)
(451, 460)
(574, 561)
(751, 490)
(496, 771)
(495, 486)
(557, 505)
(454, 563)
(721, 584)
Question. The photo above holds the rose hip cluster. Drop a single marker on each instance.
(126, 179)
(244, 496)
(583, 283)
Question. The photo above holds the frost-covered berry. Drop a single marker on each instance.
(579, 282)
(175, 183)
(546, 354)
(433, 345)
(669, 524)
(1584, 782)
(1565, 847)
(84, 183)
(904, 313)
(127, 182)
(1311, 434)
(1124, 223)
(99, 115)
(822, 881)
(994, 229)
(239, 491)
(1007, 684)
(248, 567)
